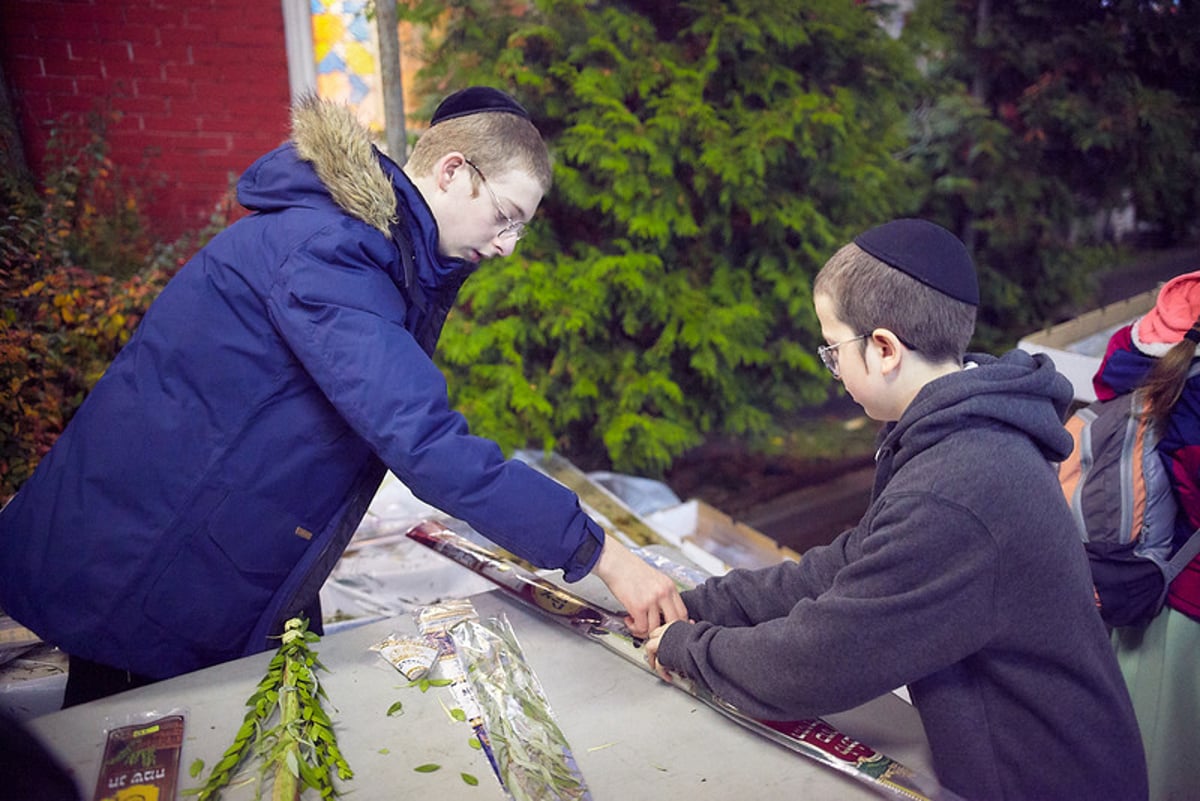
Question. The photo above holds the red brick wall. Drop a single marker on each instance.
(200, 88)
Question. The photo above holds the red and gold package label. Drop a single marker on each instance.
(141, 761)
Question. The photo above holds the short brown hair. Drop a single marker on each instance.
(868, 293)
(495, 142)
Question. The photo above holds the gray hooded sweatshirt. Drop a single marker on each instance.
(966, 581)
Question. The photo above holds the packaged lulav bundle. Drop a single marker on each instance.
(531, 753)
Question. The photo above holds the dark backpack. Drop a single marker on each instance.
(1120, 493)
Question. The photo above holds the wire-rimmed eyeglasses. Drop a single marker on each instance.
(829, 355)
(513, 228)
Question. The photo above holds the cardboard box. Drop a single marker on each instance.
(711, 531)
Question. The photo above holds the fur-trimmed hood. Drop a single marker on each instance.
(346, 164)
(330, 173)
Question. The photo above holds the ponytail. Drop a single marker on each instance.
(1164, 383)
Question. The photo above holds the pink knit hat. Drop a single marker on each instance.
(1173, 316)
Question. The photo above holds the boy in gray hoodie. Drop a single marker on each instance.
(964, 580)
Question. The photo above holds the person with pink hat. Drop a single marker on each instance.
(1156, 354)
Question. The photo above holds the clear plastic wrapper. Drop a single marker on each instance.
(435, 622)
(531, 753)
(684, 576)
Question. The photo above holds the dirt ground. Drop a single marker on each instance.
(796, 501)
(738, 481)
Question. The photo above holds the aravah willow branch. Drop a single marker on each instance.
(300, 749)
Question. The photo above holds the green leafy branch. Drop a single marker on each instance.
(300, 750)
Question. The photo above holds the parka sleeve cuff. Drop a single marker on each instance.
(588, 552)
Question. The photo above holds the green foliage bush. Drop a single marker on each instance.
(708, 159)
(1035, 121)
(711, 156)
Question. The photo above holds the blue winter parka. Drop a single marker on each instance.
(209, 482)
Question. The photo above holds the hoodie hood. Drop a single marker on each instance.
(1017, 390)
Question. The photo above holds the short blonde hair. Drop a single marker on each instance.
(495, 142)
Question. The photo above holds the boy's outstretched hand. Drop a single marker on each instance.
(651, 649)
(650, 597)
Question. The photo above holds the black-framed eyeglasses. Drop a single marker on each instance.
(513, 228)
(829, 354)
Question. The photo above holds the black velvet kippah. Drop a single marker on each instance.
(927, 252)
(476, 100)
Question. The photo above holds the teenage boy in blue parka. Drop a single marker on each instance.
(212, 478)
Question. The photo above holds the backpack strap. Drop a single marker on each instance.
(1186, 553)
(1191, 546)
